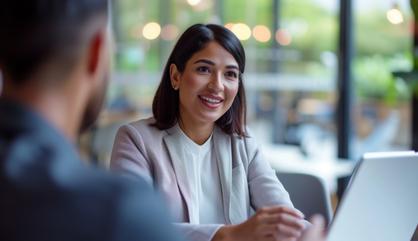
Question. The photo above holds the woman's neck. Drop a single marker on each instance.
(196, 131)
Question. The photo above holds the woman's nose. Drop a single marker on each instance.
(216, 82)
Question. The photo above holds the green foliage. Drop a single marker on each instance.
(314, 27)
(374, 80)
(375, 35)
(238, 11)
(379, 46)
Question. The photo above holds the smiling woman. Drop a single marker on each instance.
(207, 88)
(220, 43)
(197, 151)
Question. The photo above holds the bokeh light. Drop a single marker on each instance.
(283, 37)
(193, 2)
(242, 31)
(394, 15)
(261, 33)
(151, 30)
(229, 26)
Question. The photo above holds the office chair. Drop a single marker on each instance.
(308, 194)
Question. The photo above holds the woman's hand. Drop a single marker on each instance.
(316, 231)
(279, 223)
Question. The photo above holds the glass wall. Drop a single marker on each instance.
(383, 43)
(291, 72)
(291, 69)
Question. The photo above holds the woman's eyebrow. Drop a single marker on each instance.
(206, 61)
(232, 67)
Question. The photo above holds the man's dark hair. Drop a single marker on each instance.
(37, 31)
(165, 106)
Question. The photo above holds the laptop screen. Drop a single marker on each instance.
(381, 202)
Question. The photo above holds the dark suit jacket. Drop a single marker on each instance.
(46, 193)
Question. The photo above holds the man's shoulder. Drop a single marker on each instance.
(138, 211)
(95, 205)
(109, 185)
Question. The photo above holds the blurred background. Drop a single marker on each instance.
(294, 77)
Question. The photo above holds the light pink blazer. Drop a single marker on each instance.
(247, 180)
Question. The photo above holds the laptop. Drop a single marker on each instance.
(381, 201)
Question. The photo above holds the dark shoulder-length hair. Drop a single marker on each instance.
(165, 106)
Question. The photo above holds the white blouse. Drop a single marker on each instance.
(203, 171)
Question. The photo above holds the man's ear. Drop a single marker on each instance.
(95, 51)
(175, 77)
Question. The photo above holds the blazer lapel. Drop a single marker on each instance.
(176, 149)
(222, 147)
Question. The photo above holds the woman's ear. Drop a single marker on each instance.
(174, 77)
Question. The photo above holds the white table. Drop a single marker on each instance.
(290, 159)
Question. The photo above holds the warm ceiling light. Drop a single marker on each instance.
(394, 15)
(261, 33)
(242, 31)
(283, 37)
(229, 26)
(151, 30)
(193, 2)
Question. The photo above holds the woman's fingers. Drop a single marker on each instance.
(284, 218)
(282, 209)
(316, 231)
(288, 231)
(291, 221)
(280, 230)
(278, 223)
(267, 238)
(318, 221)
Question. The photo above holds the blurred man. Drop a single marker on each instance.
(54, 60)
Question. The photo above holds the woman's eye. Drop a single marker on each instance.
(232, 74)
(203, 69)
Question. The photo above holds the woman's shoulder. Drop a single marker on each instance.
(248, 141)
(245, 148)
(249, 136)
(145, 123)
(143, 127)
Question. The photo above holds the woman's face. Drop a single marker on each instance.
(208, 85)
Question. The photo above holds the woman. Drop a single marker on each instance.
(197, 152)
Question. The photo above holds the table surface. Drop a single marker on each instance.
(290, 159)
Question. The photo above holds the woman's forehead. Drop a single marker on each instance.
(214, 52)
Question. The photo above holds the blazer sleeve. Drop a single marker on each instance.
(264, 186)
(128, 154)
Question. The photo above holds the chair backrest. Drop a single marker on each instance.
(308, 194)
